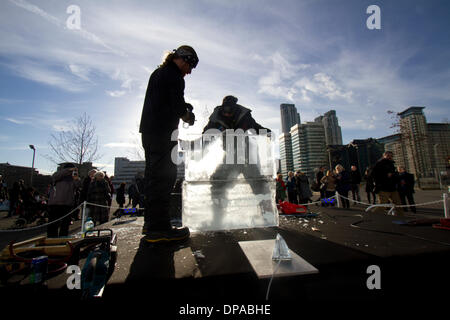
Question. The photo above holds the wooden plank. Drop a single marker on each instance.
(259, 254)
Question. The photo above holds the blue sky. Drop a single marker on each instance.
(318, 55)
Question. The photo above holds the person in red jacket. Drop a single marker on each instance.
(280, 194)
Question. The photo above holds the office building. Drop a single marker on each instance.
(333, 132)
(127, 171)
(394, 144)
(423, 148)
(362, 153)
(414, 135)
(286, 153)
(12, 173)
(308, 147)
(439, 143)
(289, 117)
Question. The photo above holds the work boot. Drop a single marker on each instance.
(145, 228)
(174, 234)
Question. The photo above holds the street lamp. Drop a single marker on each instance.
(32, 168)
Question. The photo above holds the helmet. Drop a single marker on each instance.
(188, 54)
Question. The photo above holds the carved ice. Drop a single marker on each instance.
(229, 185)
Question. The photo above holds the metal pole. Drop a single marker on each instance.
(83, 218)
(338, 199)
(32, 169)
(446, 213)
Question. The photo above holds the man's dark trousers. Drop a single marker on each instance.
(160, 176)
(60, 228)
(409, 196)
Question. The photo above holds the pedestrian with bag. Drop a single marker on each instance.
(328, 184)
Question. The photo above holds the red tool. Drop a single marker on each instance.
(445, 224)
(291, 208)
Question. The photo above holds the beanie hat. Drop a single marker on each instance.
(229, 104)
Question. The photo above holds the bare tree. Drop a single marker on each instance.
(78, 144)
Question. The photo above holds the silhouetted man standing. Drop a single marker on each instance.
(164, 106)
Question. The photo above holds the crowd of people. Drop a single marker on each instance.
(384, 180)
(66, 192)
(390, 184)
(22, 201)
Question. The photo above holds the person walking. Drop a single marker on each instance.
(291, 186)
(163, 108)
(343, 185)
(386, 180)
(355, 178)
(406, 188)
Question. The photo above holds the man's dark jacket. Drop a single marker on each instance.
(355, 176)
(319, 176)
(406, 183)
(164, 103)
(380, 176)
(241, 119)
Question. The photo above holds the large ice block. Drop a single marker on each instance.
(229, 183)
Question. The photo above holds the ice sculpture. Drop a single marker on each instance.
(281, 250)
(229, 181)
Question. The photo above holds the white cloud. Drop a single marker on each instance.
(80, 71)
(279, 81)
(15, 121)
(116, 93)
(46, 75)
(322, 85)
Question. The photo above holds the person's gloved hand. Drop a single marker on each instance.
(189, 116)
(189, 107)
